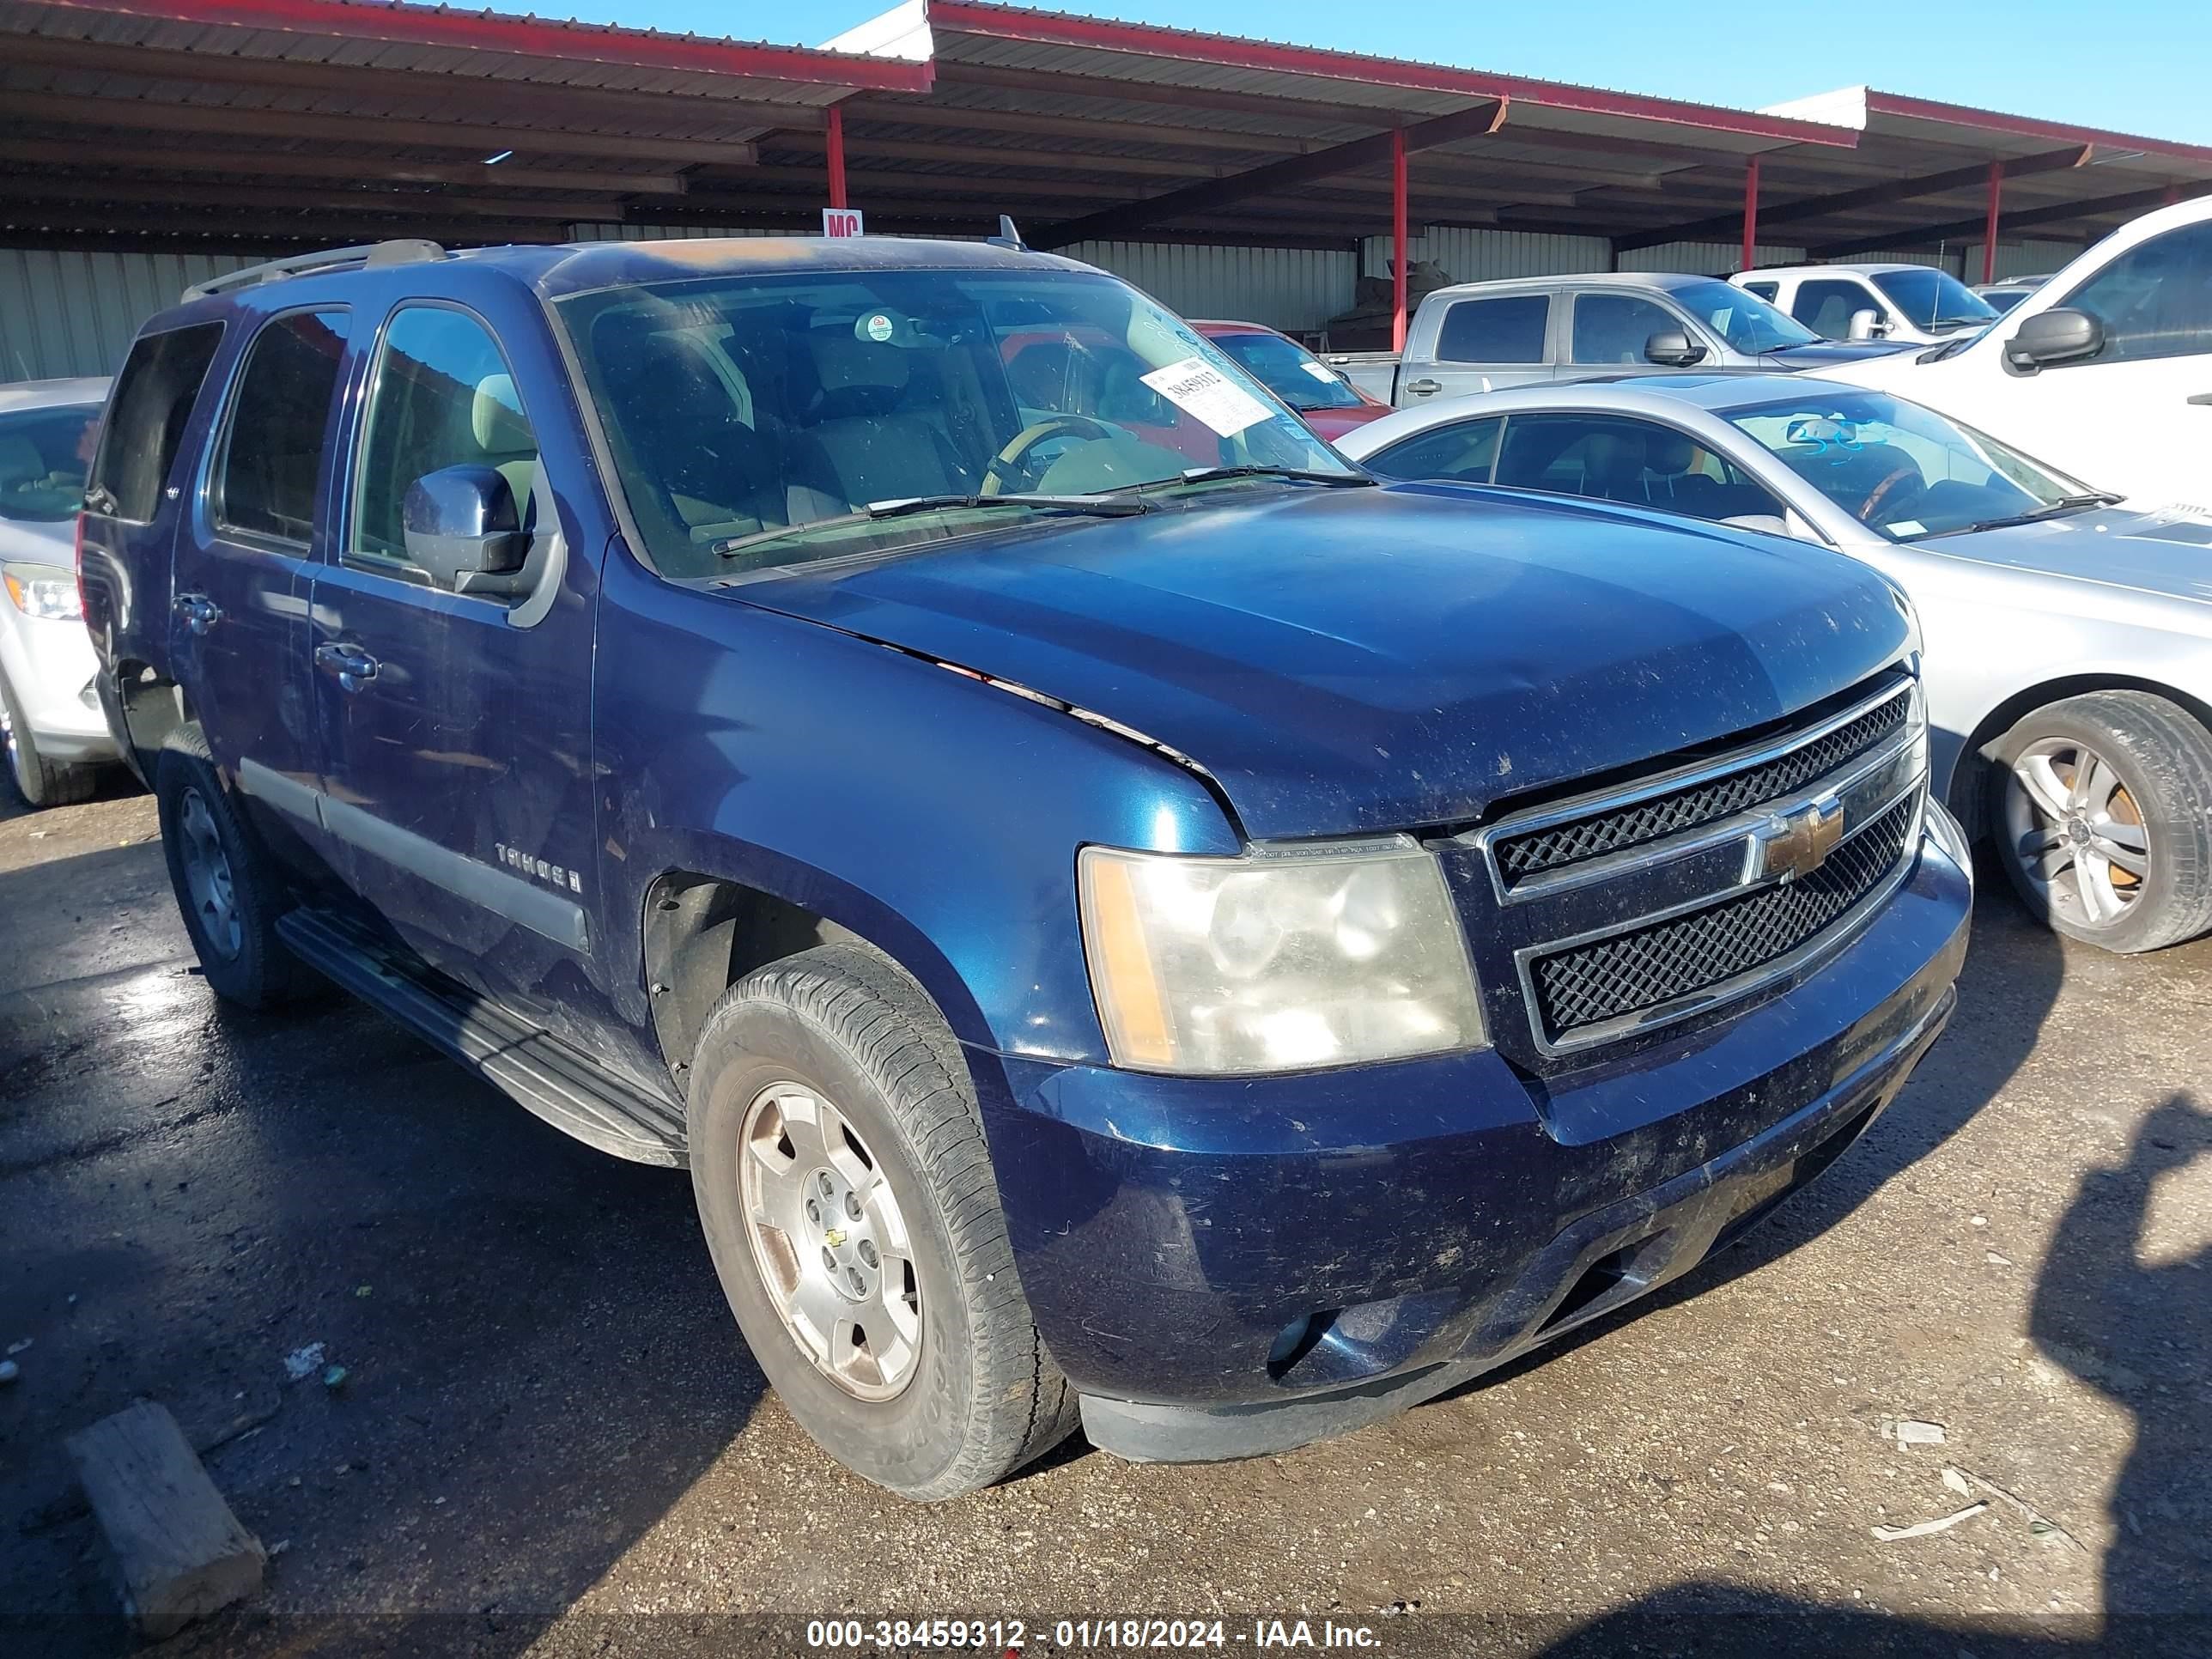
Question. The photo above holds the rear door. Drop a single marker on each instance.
(456, 728)
(244, 564)
(1478, 344)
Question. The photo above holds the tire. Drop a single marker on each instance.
(2143, 796)
(233, 922)
(41, 782)
(844, 1027)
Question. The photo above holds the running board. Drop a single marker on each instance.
(557, 1081)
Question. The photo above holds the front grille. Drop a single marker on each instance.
(1630, 972)
(1708, 802)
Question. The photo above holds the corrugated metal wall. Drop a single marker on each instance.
(1289, 289)
(74, 313)
(2022, 259)
(1707, 259)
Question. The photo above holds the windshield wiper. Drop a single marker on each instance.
(2063, 504)
(1119, 506)
(1300, 474)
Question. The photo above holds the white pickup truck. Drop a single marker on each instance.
(2104, 372)
(1480, 337)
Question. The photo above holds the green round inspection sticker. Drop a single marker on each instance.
(879, 328)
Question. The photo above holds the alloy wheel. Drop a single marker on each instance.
(2076, 832)
(830, 1242)
(207, 877)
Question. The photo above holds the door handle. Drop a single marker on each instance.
(354, 666)
(199, 612)
(2202, 397)
(1422, 388)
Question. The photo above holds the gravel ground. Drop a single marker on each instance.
(551, 1439)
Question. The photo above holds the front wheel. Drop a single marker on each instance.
(41, 782)
(2104, 819)
(848, 1203)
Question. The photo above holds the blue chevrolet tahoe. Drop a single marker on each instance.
(1123, 917)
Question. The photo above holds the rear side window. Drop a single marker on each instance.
(1766, 291)
(265, 485)
(443, 398)
(152, 401)
(1507, 330)
(1462, 452)
(2155, 301)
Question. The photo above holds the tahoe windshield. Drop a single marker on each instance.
(1934, 299)
(1290, 371)
(758, 422)
(1746, 322)
(44, 454)
(1904, 470)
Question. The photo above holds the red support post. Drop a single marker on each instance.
(836, 147)
(1398, 239)
(1989, 223)
(1750, 213)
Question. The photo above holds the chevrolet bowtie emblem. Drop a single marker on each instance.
(833, 1237)
(1796, 842)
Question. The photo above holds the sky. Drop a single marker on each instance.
(2137, 66)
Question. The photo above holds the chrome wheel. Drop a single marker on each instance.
(830, 1242)
(207, 877)
(2075, 832)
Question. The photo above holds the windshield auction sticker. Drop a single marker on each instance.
(1198, 388)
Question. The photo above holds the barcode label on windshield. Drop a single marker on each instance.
(1199, 389)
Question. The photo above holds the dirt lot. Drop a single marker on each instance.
(550, 1438)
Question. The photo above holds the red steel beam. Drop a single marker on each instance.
(833, 149)
(1398, 239)
(532, 37)
(1751, 213)
(1990, 226)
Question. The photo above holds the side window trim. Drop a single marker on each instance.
(347, 509)
(214, 456)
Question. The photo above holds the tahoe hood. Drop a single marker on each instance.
(1351, 660)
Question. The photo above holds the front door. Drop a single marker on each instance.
(244, 561)
(1608, 333)
(456, 728)
(2137, 417)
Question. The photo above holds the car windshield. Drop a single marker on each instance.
(2002, 300)
(44, 454)
(1903, 469)
(1289, 370)
(1934, 299)
(1746, 322)
(761, 421)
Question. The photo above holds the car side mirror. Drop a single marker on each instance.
(2059, 335)
(463, 528)
(1866, 326)
(1673, 348)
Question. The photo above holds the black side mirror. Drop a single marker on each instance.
(1673, 348)
(463, 528)
(2054, 337)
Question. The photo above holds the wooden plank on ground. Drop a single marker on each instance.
(180, 1551)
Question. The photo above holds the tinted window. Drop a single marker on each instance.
(42, 460)
(1462, 452)
(1766, 291)
(443, 398)
(2155, 301)
(152, 401)
(1510, 329)
(265, 485)
(1640, 463)
(1741, 316)
(1826, 305)
(1612, 328)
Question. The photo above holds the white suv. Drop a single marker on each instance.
(50, 722)
(1908, 305)
(2104, 372)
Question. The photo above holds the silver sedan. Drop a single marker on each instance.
(2068, 639)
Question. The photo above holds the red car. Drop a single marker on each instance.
(1324, 399)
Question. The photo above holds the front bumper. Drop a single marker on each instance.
(1232, 1267)
(52, 666)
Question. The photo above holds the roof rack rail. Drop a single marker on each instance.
(403, 250)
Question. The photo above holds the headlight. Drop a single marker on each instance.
(41, 590)
(1277, 961)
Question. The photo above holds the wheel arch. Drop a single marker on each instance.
(1969, 791)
